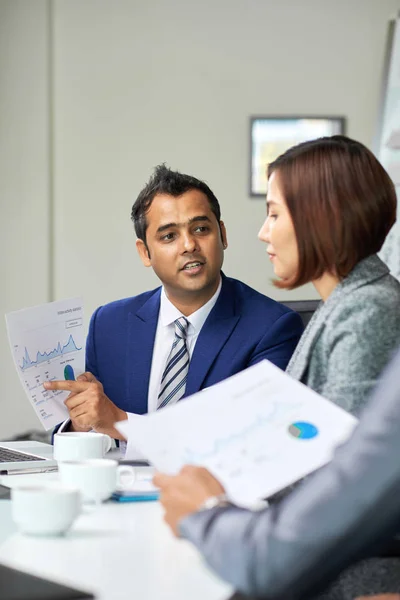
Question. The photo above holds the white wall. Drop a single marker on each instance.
(24, 184)
(138, 83)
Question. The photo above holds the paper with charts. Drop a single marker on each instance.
(257, 432)
(47, 343)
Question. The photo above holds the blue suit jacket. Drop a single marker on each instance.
(243, 328)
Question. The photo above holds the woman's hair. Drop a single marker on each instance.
(341, 201)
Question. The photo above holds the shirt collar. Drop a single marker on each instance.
(169, 313)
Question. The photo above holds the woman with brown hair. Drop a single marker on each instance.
(330, 205)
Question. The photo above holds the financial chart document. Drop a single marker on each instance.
(48, 343)
(257, 432)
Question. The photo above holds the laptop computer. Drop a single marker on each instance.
(26, 457)
(17, 585)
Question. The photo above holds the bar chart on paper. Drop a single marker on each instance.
(47, 344)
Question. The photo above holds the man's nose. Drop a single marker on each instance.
(190, 243)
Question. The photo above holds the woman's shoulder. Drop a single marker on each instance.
(370, 309)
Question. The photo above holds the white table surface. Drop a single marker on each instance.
(117, 551)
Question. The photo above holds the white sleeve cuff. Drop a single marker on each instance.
(64, 426)
(131, 452)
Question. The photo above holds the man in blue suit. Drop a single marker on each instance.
(199, 328)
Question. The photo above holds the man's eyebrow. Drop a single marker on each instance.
(199, 218)
(166, 226)
(192, 220)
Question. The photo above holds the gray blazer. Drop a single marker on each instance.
(351, 336)
(292, 549)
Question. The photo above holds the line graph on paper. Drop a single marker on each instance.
(41, 357)
(231, 441)
(253, 445)
(47, 344)
(257, 432)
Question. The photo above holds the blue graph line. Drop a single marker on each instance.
(191, 456)
(69, 347)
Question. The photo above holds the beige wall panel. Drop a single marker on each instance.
(139, 83)
(24, 185)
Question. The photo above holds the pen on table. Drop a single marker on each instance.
(28, 471)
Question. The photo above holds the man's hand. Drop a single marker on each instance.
(88, 406)
(184, 493)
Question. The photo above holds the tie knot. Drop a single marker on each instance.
(181, 327)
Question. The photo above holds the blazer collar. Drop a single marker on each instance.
(214, 334)
(142, 327)
(366, 271)
(150, 309)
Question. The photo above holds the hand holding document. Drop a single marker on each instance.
(47, 343)
(257, 432)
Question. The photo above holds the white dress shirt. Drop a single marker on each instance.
(165, 335)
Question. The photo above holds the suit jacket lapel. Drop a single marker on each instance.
(299, 362)
(214, 334)
(367, 270)
(142, 327)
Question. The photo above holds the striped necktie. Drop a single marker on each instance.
(173, 382)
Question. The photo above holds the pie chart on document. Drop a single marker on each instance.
(303, 430)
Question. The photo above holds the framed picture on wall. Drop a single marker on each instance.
(270, 136)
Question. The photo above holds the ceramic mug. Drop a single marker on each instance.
(45, 510)
(96, 479)
(76, 445)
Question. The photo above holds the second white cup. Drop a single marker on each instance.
(96, 479)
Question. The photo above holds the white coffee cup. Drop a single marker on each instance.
(76, 445)
(96, 479)
(45, 510)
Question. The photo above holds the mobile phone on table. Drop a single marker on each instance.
(133, 496)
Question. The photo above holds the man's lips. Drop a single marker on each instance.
(192, 264)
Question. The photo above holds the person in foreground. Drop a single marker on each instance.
(149, 351)
(330, 205)
(344, 512)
